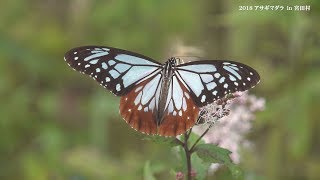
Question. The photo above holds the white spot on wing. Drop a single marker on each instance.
(174, 113)
(214, 93)
(118, 87)
(203, 98)
(221, 80)
(104, 65)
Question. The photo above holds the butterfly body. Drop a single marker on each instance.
(167, 73)
(162, 99)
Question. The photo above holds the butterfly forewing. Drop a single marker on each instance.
(210, 80)
(115, 69)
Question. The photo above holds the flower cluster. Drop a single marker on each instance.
(235, 113)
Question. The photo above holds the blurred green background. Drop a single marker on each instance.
(58, 124)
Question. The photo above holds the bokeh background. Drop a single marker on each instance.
(58, 124)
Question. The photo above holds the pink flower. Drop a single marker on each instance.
(234, 115)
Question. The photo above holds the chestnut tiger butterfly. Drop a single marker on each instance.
(162, 99)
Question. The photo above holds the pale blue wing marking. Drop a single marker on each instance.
(96, 55)
(111, 62)
(232, 78)
(206, 78)
(211, 85)
(136, 73)
(232, 71)
(150, 89)
(200, 68)
(192, 80)
(177, 94)
(114, 74)
(147, 94)
(122, 67)
(134, 60)
(94, 61)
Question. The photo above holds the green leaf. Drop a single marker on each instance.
(147, 172)
(200, 166)
(172, 142)
(214, 154)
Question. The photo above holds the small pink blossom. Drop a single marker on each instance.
(193, 173)
(179, 176)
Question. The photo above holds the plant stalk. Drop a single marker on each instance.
(188, 155)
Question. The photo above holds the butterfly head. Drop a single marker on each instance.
(172, 61)
(169, 66)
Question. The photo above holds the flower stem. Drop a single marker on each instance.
(191, 150)
(197, 141)
(188, 154)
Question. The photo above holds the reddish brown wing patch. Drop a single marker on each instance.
(179, 121)
(139, 117)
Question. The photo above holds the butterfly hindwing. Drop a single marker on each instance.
(116, 69)
(213, 79)
(138, 106)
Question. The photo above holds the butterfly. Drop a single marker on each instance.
(160, 99)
